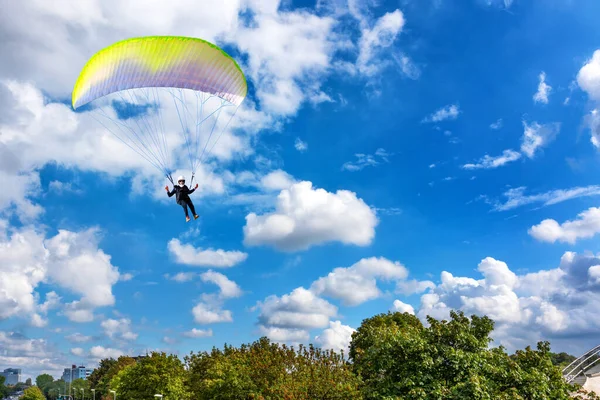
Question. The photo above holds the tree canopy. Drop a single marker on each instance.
(32, 393)
(392, 356)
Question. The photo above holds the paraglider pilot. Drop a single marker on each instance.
(182, 193)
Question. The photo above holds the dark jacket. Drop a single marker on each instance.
(182, 193)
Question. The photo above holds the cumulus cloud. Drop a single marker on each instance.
(227, 287)
(189, 255)
(38, 355)
(291, 316)
(305, 217)
(488, 162)
(366, 160)
(556, 304)
(541, 96)
(78, 338)
(401, 307)
(77, 351)
(276, 180)
(537, 136)
(198, 333)
(68, 259)
(118, 329)
(586, 225)
(588, 76)
(99, 352)
(448, 112)
(337, 337)
(205, 313)
(358, 283)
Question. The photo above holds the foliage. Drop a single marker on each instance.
(109, 368)
(399, 358)
(562, 359)
(32, 393)
(3, 389)
(157, 374)
(265, 370)
(103, 367)
(42, 380)
(76, 388)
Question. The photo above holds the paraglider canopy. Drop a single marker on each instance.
(138, 67)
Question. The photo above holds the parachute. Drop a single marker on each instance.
(139, 77)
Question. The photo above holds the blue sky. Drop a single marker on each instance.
(382, 123)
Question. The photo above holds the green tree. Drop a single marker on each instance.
(265, 370)
(562, 359)
(42, 381)
(399, 358)
(157, 374)
(32, 393)
(3, 389)
(107, 373)
(103, 367)
(76, 388)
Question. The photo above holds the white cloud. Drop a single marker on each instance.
(38, 355)
(78, 338)
(75, 261)
(291, 316)
(52, 302)
(209, 314)
(448, 112)
(516, 197)
(413, 286)
(126, 277)
(198, 333)
(277, 180)
(541, 96)
(401, 307)
(487, 162)
(227, 287)
(536, 136)
(373, 40)
(189, 255)
(587, 225)
(555, 305)
(100, 352)
(496, 125)
(69, 259)
(118, 329)
(593, 121)
(358, 283)
(588, 77)
(366, 160)
(337, 337)
(300, 145)
(181, 276)
(305, 217)
(77, 351)
(299, 53)
(284, 335)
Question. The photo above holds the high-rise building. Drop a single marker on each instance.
(76, 372)
(12, 375)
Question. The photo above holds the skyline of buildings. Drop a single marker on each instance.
(76, 372)
(12, 376)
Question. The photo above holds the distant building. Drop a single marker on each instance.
(75, 372)
(12, 375)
